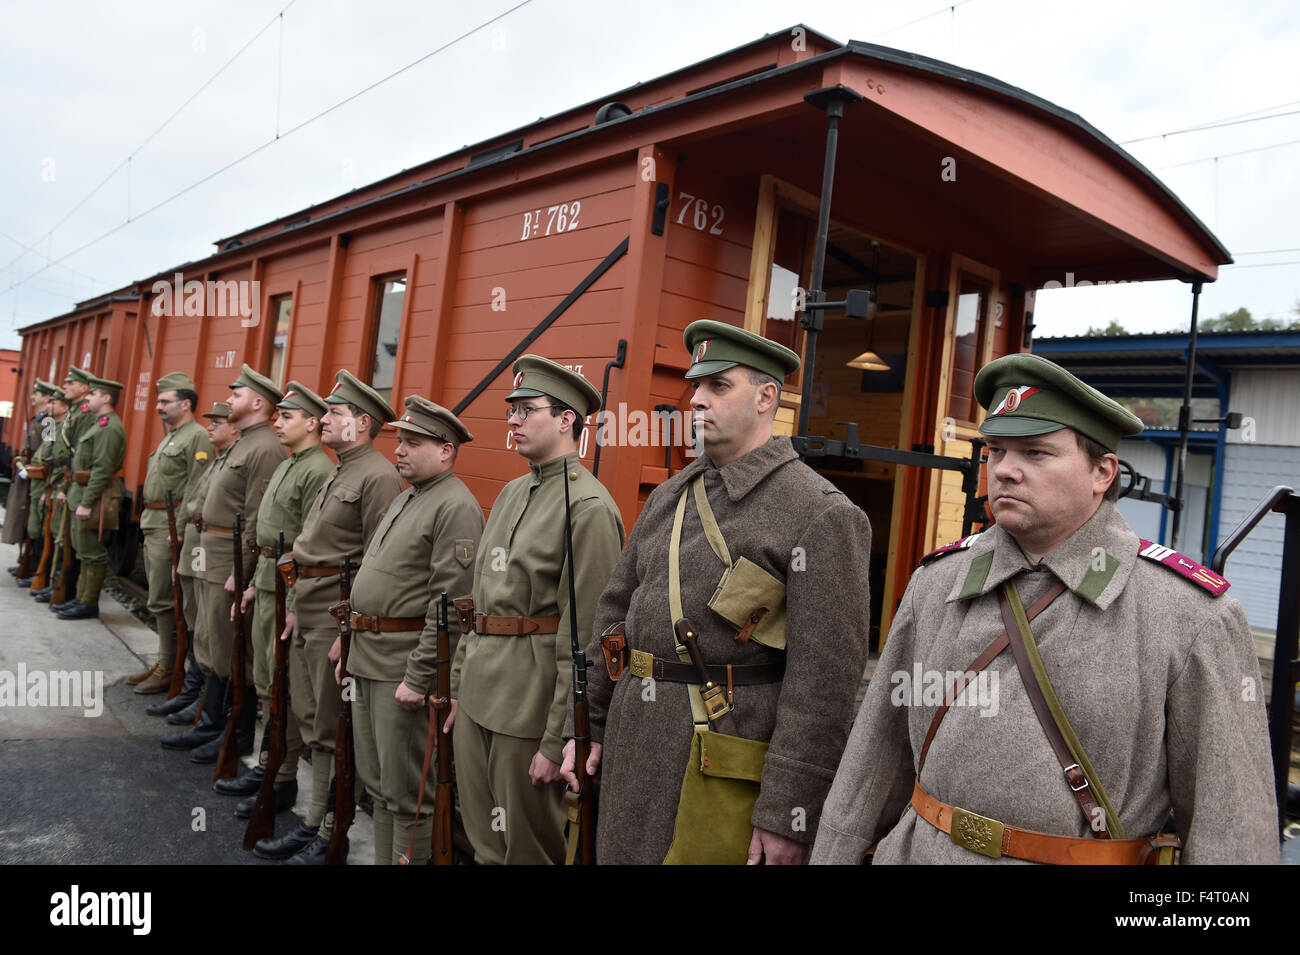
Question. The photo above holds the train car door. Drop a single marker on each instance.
(862, 366)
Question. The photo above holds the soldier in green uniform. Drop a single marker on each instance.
(179, 461)
(183, 708)
(513, 672)
(235, 488)
(291, 492)
(1134, 648)
(772, 574)
(95, 494)
(37, 469)
(21, 497)
(424, 547)
(342, 519)
(76, 386)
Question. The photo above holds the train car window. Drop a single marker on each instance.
(972, 308)
(787, 282)
(387, 325)
(281, 310)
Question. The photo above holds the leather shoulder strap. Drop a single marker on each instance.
(979, 663)
(1102, 820)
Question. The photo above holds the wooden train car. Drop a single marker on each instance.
(604, 230)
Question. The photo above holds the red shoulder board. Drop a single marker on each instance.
(103, 421)
(949, 548)
(1182, 565)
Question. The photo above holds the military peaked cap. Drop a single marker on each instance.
(536, 376)
(717, 346)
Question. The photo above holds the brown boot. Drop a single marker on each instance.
(135, 678)
(159, 680)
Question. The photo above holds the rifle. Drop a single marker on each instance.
(25, 556)
(345, 768)
(41, 579)
(178, 602)
(262, 822)
(581, 804)
(228, 761)
(60, 593)
(439, 706)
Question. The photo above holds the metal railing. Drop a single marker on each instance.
(1286, 667)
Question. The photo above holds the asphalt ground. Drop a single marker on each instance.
(89, 784)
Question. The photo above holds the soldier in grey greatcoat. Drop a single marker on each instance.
(1153, 668)
(795, 671)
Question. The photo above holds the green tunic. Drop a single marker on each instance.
(293, 487)
(520, 686)
(180, 459)
(424, 547)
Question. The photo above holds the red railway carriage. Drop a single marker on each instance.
(603, 231)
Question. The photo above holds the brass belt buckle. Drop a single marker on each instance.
(643, 664)
(977, 833)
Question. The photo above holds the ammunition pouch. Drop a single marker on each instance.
(753, 601)
(613, 644)
(37, 472)
(287, 569)
(465, 612)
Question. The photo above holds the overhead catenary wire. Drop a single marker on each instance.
(270, 142)
(1237, 120)
(150, 138)
(947, 7)
(1240, 152)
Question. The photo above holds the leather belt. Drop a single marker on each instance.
(996, 839)
(514, 626)
(155, 505)
(81, 477)
(319, 572)
(219, 531)
(263, 551)
(196, 520)
(670, 671)
(386, 624)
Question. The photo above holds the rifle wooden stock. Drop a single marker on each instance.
(178, 602)
(41, 579)
(60, 592)
(228, 761)
(345, 767)
(261, 823)
(443, 804)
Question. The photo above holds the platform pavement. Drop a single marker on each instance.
(89, 783)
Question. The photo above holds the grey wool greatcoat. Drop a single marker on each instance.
(1157, 676)
(777, 512)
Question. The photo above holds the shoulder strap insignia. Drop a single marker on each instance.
(947, 549)
(103, 421)
(1184, 566)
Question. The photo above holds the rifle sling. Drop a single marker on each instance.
(1078, 769)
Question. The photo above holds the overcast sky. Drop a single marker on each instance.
(84, 86)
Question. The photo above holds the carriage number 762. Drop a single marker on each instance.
(561, 218)
(700, 212)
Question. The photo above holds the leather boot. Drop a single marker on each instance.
(286, 846)
(79, 611)
(209, 752)
(286, 794)
(136, 678)
(24, 582)
(42, 596)
(314, 852)
(159, 682)
(249, 781)
(212, 718)
(188, 716)
(190, 690)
